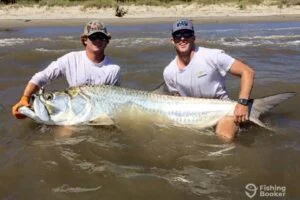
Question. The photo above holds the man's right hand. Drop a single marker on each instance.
(24, 101)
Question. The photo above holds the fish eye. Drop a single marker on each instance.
(48, 96)
(32, 98)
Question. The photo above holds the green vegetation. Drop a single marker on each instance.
(120, 10)
(242, 4)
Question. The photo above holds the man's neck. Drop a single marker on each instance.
(95, 57)
(183, 60)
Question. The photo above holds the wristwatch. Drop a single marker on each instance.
(244, 102)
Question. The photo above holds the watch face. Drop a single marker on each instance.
(243, 101)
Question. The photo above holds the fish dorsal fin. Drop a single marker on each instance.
(73, 91)
(161, 89)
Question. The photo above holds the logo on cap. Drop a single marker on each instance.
(182, 23)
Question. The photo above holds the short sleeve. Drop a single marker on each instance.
(223, 62)
(116, 76)
(169, 81)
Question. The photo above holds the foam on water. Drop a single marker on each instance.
(5, 42)
(52, 50)
(256, 41)
(13, 41)
(221, 152)
(252, 41)
(64, 141)
(273, 37)
(293, 43)
(68, 189)
(197, 180)
(138, 42)
(283, 28)
(68, 37)
(244, 29)
(192, 179)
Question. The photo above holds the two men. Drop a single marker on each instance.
(87, 67)
(200, 72)
(195, 71)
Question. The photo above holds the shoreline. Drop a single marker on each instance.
(14, 17)
(21, 23)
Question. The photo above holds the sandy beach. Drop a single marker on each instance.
(15, 16)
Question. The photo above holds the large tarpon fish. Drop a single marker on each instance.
(99, 105)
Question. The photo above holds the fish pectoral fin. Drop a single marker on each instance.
(103, 120)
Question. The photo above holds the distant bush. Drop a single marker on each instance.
(120, 11)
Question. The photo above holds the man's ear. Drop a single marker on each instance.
(172, 41)
(84, 40)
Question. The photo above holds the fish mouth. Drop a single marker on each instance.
(28, 112)
(37, 110)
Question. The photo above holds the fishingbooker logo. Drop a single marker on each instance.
(271, 191)
(250, 190)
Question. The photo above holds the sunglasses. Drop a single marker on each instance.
(179, 35)
(94, 37)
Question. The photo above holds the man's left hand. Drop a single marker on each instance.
(240, 113)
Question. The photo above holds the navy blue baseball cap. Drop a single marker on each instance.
(182, 24)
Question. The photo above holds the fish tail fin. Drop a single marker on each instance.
(262, 105)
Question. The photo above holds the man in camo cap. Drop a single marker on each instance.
(87, 67)
(95, 26)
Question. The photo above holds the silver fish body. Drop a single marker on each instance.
(100, 105)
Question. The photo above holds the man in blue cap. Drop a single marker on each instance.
(87, 67)
(200, 72)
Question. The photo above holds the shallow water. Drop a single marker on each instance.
(138, 160)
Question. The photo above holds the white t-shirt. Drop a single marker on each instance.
(203, 77)
(79, 70)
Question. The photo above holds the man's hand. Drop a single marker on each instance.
(240, 113)
(24, 101)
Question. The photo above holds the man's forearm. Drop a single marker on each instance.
(30, 89)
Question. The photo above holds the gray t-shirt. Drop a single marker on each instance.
(79, 70)
(203, 77)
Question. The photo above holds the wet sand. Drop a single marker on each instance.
(6, 24)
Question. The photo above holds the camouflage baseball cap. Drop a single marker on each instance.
(95, 26)
(182, 24)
